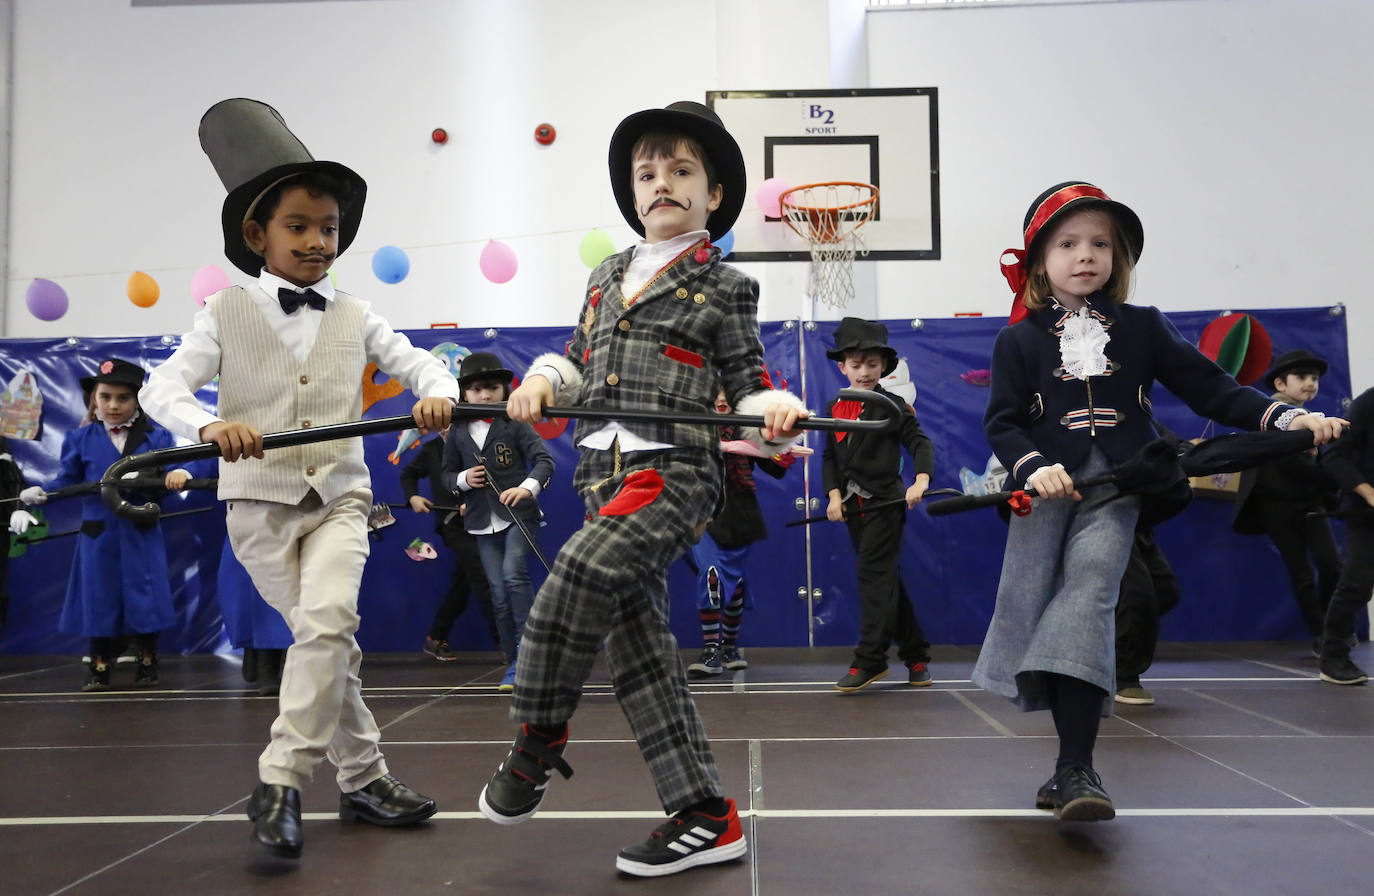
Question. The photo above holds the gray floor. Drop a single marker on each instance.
(1247, 777)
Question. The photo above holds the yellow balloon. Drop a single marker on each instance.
(142, 290)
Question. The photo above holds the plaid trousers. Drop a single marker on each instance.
(609, 583)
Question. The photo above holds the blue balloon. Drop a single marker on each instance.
(390, 264)
(726, 244)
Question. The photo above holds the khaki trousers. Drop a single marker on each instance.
(307, 561)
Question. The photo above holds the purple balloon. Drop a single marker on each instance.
(46, 300)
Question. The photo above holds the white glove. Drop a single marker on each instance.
(21, 520)
(34, 494)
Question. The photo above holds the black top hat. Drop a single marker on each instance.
(114, 370)
(700, 123)
(252, 150)
(482, 366)
(1076, 196)
(854, 334)
(1290, 360)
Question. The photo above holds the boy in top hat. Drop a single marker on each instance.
(500, 467)
(290, 351)
(1275, 498)
(659, 322)
(862, 468)
(119, 574)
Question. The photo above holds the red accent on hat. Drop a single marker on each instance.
(1016, 274)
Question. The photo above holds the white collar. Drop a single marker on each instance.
(666, 251)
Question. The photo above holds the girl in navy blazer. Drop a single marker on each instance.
(119, 579)
(499, 466)
(1070, 399)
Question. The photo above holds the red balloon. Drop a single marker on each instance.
(545, 134)
(439, 135)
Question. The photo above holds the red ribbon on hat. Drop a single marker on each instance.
(1016, 274)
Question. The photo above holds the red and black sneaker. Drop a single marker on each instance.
(513, 793)
(688, 839)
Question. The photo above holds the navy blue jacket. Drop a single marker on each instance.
(512, 453)
(1039, 415)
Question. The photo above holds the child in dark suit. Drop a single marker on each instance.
(499, 467)
(1351, 461)
(861, 468)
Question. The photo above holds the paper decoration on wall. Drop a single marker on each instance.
(1239, 344)
(979, 377)
(452, 354)
(45, 299)
(373, 391)
(898, 382)
(379, 517)
(208, 281)
(21, 407)
(404, 442)
(390, 264)
(421, 550)
(498, 262)
(989, 482)
(142, 290)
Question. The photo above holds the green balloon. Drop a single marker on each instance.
(596, 245)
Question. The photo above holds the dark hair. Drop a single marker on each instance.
(1302, 370)
(316, 183)
(478, 380)
(663, 144)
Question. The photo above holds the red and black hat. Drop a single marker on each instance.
(252, 151)
(115, 371)
(700, 123)
(1070, 196)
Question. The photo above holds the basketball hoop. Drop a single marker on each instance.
(828, 216)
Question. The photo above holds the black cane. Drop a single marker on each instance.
(891, 419)
(529, 539)
(880, 505)
(91, 488)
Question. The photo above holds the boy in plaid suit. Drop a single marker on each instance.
(659, 323)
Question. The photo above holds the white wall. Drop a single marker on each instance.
(1238, 130)
(1234, 127)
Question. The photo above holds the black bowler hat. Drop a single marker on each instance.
(1292, 360)
(482, 366)
(854, 334)
(116, 372)
(692, 120)
(252, 151)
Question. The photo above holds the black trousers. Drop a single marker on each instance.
(1303, 543)
(885, 612)
(1149, 589)
(468, 578)
(1352, 592)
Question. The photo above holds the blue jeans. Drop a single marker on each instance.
(505, 559)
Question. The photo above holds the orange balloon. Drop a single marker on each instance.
(142, 290)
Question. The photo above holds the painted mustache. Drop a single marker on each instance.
(664, 200)
(327, 256)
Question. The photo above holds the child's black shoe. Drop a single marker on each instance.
(688, 839)
(1047, 797)
(918, 676)
(858, 677)
(732, 659)
(514, 792)
(98, 678)
(709, 663)
(1080, 796)
(1342, 670)
(145, 672)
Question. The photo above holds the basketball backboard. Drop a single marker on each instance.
(883, 136)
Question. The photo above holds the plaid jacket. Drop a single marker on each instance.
(663, 352)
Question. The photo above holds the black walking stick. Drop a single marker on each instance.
(880, 505)
(534, 545)
(91, 488)
(110, 485)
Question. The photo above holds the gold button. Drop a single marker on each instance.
(699, 298)
(612, 380)
(682, 292)
(305, 424)
(304, 379)
(310, 471)
(624, 325)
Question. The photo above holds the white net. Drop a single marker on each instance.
(829, 217)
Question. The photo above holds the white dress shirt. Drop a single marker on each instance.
(169, 395)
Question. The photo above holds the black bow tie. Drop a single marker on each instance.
(291, 300)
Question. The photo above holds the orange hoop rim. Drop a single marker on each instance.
(787, 208)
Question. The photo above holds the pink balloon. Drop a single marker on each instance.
(498, 262)
(767, 195)
(208, 281)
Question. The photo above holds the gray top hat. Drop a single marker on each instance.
(252, 150)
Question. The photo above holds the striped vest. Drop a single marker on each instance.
(262, 384)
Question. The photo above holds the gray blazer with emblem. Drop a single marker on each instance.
(512, 453)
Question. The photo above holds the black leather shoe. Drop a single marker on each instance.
(1081, 797)
(275, 811)
(386, 802)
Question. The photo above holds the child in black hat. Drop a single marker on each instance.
(1351, 461)
(1070, 399)
(1275, 498)
(499, 466)
(659, 322)
(862, 468)
(119, 579)
(290, 352)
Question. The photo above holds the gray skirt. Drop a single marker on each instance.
(1056, 601)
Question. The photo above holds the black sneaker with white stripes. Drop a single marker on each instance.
(686, 840)
(514, 792)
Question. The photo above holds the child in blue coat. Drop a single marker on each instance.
(119, 574)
